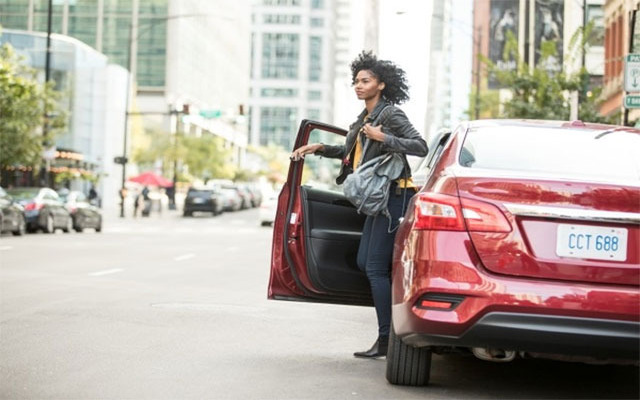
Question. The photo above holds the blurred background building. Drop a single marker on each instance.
(292, 70)
(180, 53)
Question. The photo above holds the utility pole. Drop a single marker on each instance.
(477, 77)
(132, 51)
(44, 176)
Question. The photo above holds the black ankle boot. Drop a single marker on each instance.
(379, 349)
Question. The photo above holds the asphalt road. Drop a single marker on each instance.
(175, 308)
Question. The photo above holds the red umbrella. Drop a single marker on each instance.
(151, 179)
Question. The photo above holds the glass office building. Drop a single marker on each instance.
(104, 25)
(292, 74)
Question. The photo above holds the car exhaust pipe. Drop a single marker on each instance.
(495, 355)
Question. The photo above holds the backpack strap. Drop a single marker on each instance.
(379, 120)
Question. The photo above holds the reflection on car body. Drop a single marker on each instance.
(524, 240)
(11, 215)
(84, 214)
(43, 209)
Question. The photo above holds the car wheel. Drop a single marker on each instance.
(22, 227)
(407, 365)
(187, 214)
(48, 226)
(69, 226)
(99, 226)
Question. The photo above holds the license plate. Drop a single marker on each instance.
(600, 243)
(198, 200)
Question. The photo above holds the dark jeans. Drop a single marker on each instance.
(375, 255)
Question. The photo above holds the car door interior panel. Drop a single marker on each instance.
(333, 232)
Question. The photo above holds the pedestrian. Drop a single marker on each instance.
(93, 196)
(146, 210)
(379, 83)
(137, 202)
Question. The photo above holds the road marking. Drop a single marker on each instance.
(2, 248)
(106, 272)
(184, 257)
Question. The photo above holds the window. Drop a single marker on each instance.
(317, 4)
(315, 58)
(281, 19)
(278, 126)
(317, 22)
(314, 95)
(608, 156)
(595, 13)
(272, 92)
(321, 172)
(314, 114)
(280, 52)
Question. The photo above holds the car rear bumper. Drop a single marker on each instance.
(200, 207)
(549, 334)
(506, 312)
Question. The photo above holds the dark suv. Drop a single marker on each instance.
(202, 200)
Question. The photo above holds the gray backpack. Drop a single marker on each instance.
(368, 186)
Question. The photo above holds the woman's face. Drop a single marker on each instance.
(366, 85)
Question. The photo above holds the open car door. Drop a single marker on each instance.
(316, 231)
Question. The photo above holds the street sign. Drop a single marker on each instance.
(632, 73)
(120, 160)
(631, 101)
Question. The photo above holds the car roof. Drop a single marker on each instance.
(534, 123)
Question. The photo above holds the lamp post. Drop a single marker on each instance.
(132, 47)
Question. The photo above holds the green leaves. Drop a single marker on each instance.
(23, 104)
(539, 93)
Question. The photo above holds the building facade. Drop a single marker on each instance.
(179, 51)
(621, 37)
(292, 68)
(93, 98)
(532, 23)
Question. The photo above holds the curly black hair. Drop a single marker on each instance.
(396, 89)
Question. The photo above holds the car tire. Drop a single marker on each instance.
(22, 228)
(69, 226)
(187, 214)
(407, 365)
(99, 226)
(49, 227)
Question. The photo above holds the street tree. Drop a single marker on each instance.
(204, 156)
(540, 93)
(25, 106)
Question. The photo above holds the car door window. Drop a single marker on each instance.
(321, 172)
(424, 169)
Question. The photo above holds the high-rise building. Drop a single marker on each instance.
(180, 52)
(292, 70)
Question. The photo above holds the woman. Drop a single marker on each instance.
(380, 84)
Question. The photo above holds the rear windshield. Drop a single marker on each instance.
(569, 153)
(23, 194)
(199, 192)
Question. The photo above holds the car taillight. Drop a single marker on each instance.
(483, 217)
(33, 206)
(435, 211)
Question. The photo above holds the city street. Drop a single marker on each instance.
(168, 307)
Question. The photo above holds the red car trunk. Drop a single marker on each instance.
(551, 237)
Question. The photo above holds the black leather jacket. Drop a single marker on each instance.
(401, 137)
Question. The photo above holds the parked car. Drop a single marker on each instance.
(11, 215)
(43, 209)
(202, 200)
(84, 214)
(268, 209)
(524, 240)
(231, 199)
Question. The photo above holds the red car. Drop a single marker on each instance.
(523, 241)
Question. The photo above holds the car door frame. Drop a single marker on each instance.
(289, 268)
